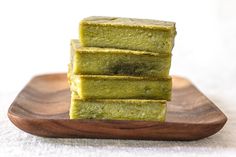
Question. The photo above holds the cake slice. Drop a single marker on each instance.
(120, 87)
(110, 61)
(127, 33)
(118, 109)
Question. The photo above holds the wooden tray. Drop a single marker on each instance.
(41, 109)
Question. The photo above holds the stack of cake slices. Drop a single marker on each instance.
(119, 69)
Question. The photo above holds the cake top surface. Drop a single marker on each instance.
(79, 49)
(102, 20)
(119, 77)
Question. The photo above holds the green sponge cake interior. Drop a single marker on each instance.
(127, 33)
(109, 61)
(121, 87)
(118, 109)
(119, 69)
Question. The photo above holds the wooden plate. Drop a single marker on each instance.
(41, 109)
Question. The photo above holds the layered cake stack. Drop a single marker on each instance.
(119, 69)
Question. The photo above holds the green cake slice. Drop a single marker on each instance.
(110, 61)
(120, 87)
(127, 33)
(118, 109)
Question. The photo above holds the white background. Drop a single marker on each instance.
(35, 38)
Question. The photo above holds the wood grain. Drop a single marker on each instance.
(41, 109)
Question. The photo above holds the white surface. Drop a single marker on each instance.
(35, 36)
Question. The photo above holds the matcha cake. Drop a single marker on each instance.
(118, 109)
(127, 33)
(110, 61)
(120, 87)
